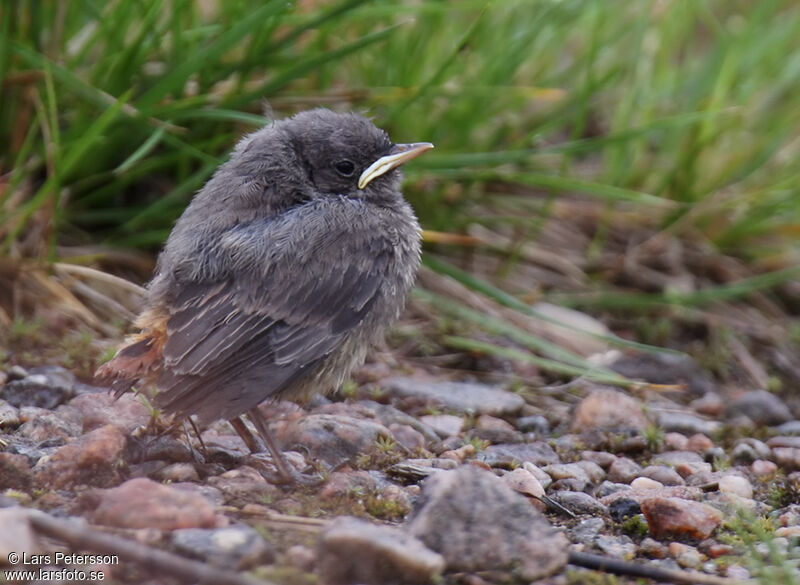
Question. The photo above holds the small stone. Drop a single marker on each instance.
(332, 438)
(650, 547)
(784, 441)
(791, 427)
(479, 524)
(607, 488)
(687, 423)
(178, 472)
(699, 443)
(237, 547)
(45, 387)
(677, 517)
(99, 409)
(539, 473)
(495, 430)
(143, 503)
(513, 454)
(619, 547)
(709, 404)
(686, 463)
(764, 469)
(17, 535)
(587, 530)
(687, 556)
(737, 572)
(407, 436)
(16, 373)
(609, 410)
(675, 441)
(92, 459)
(622, 508)
(663, 368)
(458, 396)
(663, 474)
(15, 472)
(445, 425)
(593, 471)
(9, 415)
(748, 450)
(736, 484)
(715, 550)
(760, 406)
(458, 455)
(601, 458)
(522, 481)
(533, 424)
(243, 485)
(579, 503)
(301, 557)
(43, 425)
(356, 551)
(624, 470)
(787, 457)
(646, 483)
(567, 471)
(788, 532)
(417, 469)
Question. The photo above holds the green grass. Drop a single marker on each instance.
(683, 115)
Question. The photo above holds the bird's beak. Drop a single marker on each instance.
(399, 154)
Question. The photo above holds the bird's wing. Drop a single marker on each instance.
(249, 337)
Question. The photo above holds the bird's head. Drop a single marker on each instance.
(321, 153)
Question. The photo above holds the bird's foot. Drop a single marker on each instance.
(286, 477)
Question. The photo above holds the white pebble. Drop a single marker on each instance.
(645, 483)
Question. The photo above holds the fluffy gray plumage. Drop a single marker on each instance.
(281, 272)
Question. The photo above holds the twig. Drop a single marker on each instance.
(156, 560)
(100, 275)
(619, 567)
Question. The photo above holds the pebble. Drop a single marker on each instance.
(495, 430)
(791, 427)
(763, 469)
(609, 410)
(15, 472)
(243, 485)
(602, 458)
(587, 530)
(523, 481)
(663, 368)
(332, 438)
(737, 485)
(17, 535)
(127, 412)
(238, 547)
(784, 441)
(533, 424)
(607, 488)
(301, 557)
(459, 454)
(458, 396)
(619, 547)
(622, 508)
(686, 423)
(539, 473)
(687, 556)
(559, 471)
(44, 425)
(709, 404)
(748, 450)
(513, 537)
(760, 406)
(417, 469)
(514, 454)
(407, 436)
(143, 503)
(178, 472)
(595, 473)
(646, 483)
(9, 415)
(686, 463)
(675, 441)
(445, 425)
(91, 459)
(624, 470)
(677, 517)
(579, 503)
(356, 551)
(650, 547)
(663, 474)
(787, 457)
(699, 443)
(43, 387)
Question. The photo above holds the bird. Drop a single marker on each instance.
(285, 268)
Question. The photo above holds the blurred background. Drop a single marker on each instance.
(627, 168)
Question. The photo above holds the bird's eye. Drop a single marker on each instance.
(345, 168)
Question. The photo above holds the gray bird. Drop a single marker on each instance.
(283, 270)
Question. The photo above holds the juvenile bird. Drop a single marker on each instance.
(283, 270)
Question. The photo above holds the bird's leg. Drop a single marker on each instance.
(248, 438)
(277, 457)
